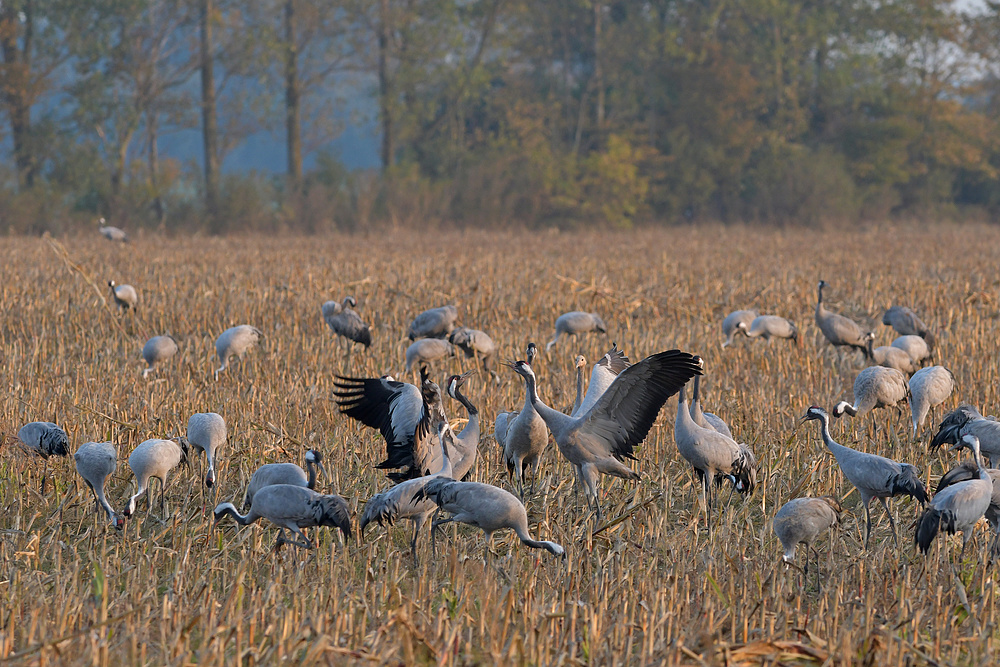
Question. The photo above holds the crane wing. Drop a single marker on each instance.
(392, 407)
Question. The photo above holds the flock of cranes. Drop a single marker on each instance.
(429, 465)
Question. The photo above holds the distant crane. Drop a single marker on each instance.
(476, 345)
(293, 507)
(801, 520)
(875, 387)
(346, 323)
(487, 507)
(111, 233)
(916, 348)
(125, 296)
(206, 432)
(235, 342)
(907, 323)
(597, 441)
(576, 323)
(958, 507)
(154, 459)
(771, 326)
(872, 475)
(839, 330)
(736, 322)
(284, 473)
(157, 350)
(929, 387)
(45, 439)
(96, 461)
(433, 323)
(890, 357)
(425, 351)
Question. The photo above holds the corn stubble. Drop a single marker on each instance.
(648, 586)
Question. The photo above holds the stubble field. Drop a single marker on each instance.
(648, 586)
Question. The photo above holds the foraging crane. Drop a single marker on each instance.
(111, 233)
(284, 473)
(915, 347)
(157, 350)
(522, 435)
(958, 507)
(770, 326)
(597, 441)
(206, 432)
(95, 461)
(602, 375)
(736, 322)
(125, 296)
(839, 330)
(484, 506)
(576, 323)
(889, 356)
(424, 351)
(433, 323)
(45, 439)
(399, 502)
(478, 345)
(801, 520)
(396, 409)
(465, 448)
(154, 459)
(234, 342)
(970, 470)
(872, 475)
(346, 323)
(964, 420)
(293, 507)
(906, 323)
(875, 387)
(713, 456)
(706, 419)
(929, 387)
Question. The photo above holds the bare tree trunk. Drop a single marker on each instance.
(292, 104)
(210, 126)
(385, 86)
(16, 83)
(154, 166)
(598, 70)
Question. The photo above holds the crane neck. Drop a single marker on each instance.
(683, 415)
(469, 407)
(312, 474)
(831, 444)
(579, 390)
(555, 420)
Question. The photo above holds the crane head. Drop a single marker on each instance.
(815, 412)
(531, 353)
(350, 301)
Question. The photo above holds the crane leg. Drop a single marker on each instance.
(45, 472)
(868, 518)
(892, 522)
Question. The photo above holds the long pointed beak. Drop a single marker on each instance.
(322, 468)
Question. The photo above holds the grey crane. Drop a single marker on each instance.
(151, 459)
(95, 461)
(476, 345)
(970, 470)
(346, 323)
(396, 409)
(522, 435)
(890, 357)
(839, 330)
(484, 506)
(284, 473)
(770, 326)
(399, 502)
(929, 387)
(111, 233)
(45, 439)
(801, 520)
(125, 296)
(465, 447)
(731, 325)
(599, 440)
(433, 323)
(713, 456)
(580, 363)
(906, 323)
(157, 350)
(576, 323)
(234, 342)
(964, 420)
(425, 351)
(875, 387)
(958, 507)
(872, 475)
(206, 431)
(706, 419)
(602, 375)
(915, 347)
(293, 507)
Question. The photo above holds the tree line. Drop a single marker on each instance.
(496, 112)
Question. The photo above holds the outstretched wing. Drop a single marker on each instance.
(626, 411)
(394, 408)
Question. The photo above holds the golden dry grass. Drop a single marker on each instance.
(651, 588)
